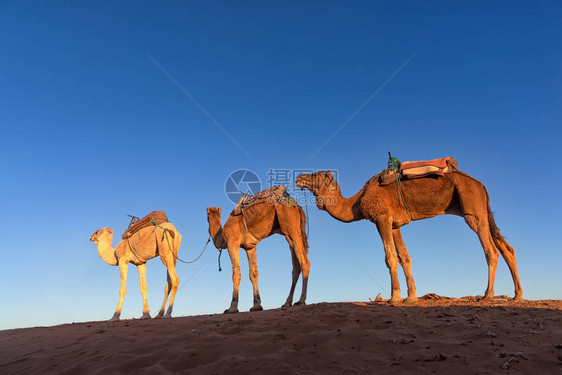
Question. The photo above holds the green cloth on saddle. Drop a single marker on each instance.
(135, 226)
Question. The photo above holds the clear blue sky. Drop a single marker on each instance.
(92, 130)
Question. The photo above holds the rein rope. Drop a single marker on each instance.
(165, 234)
(134, 251)
(394, 164)
(220, 252)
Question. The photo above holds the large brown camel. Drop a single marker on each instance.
(287, 220)
(454, 193)
(146, 244)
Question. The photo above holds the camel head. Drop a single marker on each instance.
(101, 234)
(213, 214)
(319, 183)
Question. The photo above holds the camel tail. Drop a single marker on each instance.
(175, 238)
(303, 228)
(500, 242)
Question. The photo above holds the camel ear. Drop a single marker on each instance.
(330, 173)
(219, 210)
(110, 230)
(208, 210)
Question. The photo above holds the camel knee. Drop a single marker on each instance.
(391, 262)
(173, 283)
(254, 275)
(492, 255)
(404, 258)
(236, 278)
(306, 269)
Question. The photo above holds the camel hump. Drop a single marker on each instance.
(137, 224)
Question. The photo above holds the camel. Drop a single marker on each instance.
(146, 244)
(454, 193)
(287, 220)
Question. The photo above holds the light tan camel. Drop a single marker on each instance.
(142, 246)
(286, 220)
(455, 193)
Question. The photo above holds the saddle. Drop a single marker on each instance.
(410, 170)
(137, 224)
(272, 195)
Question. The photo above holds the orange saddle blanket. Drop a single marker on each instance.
(138, 224)
(417, 169)
(410, 170)
(272, 195)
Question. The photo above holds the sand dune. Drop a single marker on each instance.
(443, 336)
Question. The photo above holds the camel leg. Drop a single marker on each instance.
(406, 263)
(294, 236)
(252, 261)
(300, 252)
(123, 267)
(508, 255)
(384, 226)
(481, 227)
(142, 278)
(296, 274)
(166, 294)
(234, 253)
(175, 282)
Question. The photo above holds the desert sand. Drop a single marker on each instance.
(438, 336)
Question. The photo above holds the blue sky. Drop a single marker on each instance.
(93, 130)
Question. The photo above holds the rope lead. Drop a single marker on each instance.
(394, 164)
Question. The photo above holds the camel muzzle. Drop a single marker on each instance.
(300, 182)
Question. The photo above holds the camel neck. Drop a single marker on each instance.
(107, 252)
(341, 208)
(215, 230)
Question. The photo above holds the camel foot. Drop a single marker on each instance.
(410, 300)
(256, 308)
(160, 314)
(486, 299)
(231, 311)
(518, 298)
(394, 301)
(167, 316)
(115, 317)
(286, 305)
(145, 316)
(300, 303)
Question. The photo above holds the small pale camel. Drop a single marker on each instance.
(286, 220)
(146, 244)
(455, 193)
